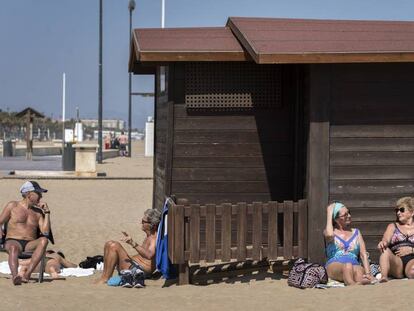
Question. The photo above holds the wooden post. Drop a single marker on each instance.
(183, 274)
(318, 158)
(29, 135)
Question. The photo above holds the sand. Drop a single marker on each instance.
(86, 213)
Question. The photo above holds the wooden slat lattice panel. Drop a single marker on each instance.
(227, 232)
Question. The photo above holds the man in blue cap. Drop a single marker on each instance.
(24, 219)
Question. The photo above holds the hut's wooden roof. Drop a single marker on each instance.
(182, 44)
(275, 40)
(270, 40)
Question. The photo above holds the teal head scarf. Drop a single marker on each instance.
(336, 209)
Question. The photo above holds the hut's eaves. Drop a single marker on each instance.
(274, 40)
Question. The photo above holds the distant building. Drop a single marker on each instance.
(112, 124)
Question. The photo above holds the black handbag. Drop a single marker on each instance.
(91, 262)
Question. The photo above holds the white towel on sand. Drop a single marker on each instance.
(78, 272)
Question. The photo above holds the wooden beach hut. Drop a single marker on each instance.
(259, 124)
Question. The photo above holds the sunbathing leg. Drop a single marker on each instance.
(38, 247)
(114, 255)
(384, 265)
(348, 274)
(359, 278)
(390, 265)
(23, 264)
(409, 269)
(14, 249)
(66, 263)
(53, 268)
(341, 272)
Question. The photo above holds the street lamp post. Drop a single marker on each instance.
(131, 7)
(162, 13)
(100, 86)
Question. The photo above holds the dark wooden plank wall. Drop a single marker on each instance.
(221, 157)
(372, 142)
(160, 143)
(319, 78)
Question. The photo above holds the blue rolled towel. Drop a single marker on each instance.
(114, 281)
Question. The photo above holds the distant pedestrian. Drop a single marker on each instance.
(114, 142)
(123, 141)
(107, 141)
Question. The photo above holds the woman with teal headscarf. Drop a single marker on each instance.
(345, 248)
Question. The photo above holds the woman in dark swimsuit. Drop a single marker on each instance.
(397, 244)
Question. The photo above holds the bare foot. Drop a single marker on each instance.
(54, 275)
(383, 280)
(99, 282)
(24, 280)
(365, 282)
(17, 280)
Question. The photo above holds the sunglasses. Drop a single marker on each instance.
(145, 221)
(401, 210)
(348, 213)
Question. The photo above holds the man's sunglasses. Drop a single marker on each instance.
(145, 221)
(401, 210)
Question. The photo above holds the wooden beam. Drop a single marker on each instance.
(318, 158)
(183, 274)
(243, 40)
(198, 56)
(328, 58)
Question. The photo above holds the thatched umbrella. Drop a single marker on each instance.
(29, 114)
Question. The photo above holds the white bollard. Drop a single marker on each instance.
(78, 132)
(149, 137)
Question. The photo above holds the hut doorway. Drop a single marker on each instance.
(281, 133)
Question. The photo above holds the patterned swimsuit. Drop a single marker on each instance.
(344, 251)
(400, 239)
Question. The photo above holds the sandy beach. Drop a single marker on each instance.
(86, 213)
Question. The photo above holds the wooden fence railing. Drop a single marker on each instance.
(228, 232)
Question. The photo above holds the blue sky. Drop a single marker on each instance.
(41, 39)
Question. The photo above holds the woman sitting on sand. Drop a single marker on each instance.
(397, 244)
(345, 248)
(115, 255)
(55, 262)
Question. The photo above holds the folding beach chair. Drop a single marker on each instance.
(28, 255)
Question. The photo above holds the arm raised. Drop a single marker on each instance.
(329, 229)
(44, 221)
